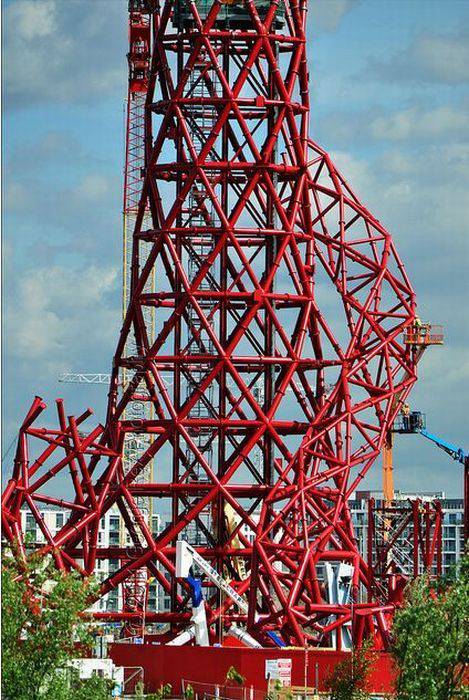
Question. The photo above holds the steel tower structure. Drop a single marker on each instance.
(277, 305)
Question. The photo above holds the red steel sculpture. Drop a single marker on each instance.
(274, 362)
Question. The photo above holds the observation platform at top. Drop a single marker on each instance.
(231, 15)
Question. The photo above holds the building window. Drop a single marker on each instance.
(454, 518)
(113, 538)
(112, 604)
(30, 526)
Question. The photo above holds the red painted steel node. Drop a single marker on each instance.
(267, 315)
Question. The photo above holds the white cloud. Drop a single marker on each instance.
(430, 58)
(442, 58)
(421, 191)
(419, 124)
(433, 164)
(73, 219)
(15, 193)
(32, 19)
(58, 313)
(416, 124)
(74, 51)
(61, 51)
(94, 186)
(326, 15)
(355, 171)
(445, 367)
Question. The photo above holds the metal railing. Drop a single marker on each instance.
(424, 334)
(207, 691)
(213, 691)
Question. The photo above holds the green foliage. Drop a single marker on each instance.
(348, 679)
(163, 692)
(188, 692)
(431, 637)
(41, 625)
(69, 686)
(234, 676)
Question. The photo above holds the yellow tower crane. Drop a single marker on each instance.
(419, 336)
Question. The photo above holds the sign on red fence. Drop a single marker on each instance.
(279, 669)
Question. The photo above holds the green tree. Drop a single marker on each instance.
(164, 691)
(348, 679)
(189, 692)
(234, 676)
(431, 637)
(41, 625)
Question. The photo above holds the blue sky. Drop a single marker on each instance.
(389, 92)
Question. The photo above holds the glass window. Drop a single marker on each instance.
(454, 518)
(112, 605)
(113, 537)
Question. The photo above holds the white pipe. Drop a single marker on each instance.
(183, 638)
(244, 636)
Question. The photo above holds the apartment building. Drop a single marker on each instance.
(113, 534)
(453, 522)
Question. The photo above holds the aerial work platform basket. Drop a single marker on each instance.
(423, 334)
(409, 422)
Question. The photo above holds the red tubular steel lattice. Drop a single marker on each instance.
(404, 540)
(274, 362)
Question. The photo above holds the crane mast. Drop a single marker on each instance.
(419, 336)
(134, 589)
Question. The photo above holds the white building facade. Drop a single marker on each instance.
(453, 522)
(113, 534)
